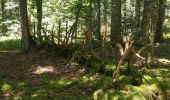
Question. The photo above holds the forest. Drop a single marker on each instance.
(84, 49)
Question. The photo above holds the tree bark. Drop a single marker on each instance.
(105, 22)
(89, 33)
(160, 21)
(138, 14)
(153, 30)
(146, 20)
(4, 28)
(116, 29)
(39, 20)
(115, 22)
(26, 38)
(98, 22)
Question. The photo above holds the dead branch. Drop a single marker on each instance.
(123, 57)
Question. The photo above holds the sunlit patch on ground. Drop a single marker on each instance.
(164, 60)
(46, 69)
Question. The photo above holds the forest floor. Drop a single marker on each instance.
(44, 76)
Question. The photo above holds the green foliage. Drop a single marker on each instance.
(10, 45)
(5, 87)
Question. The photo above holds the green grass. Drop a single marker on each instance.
(10, 45)
(90, 85)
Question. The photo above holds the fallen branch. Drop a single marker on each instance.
(123, 57)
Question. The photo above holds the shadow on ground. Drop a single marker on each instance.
(44, 76)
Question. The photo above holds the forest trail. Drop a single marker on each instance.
(19, 66)
(30, 68)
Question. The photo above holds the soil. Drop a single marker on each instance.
(21, 66)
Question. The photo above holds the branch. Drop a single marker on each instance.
(126, 52)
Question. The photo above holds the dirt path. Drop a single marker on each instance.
(32, 69)
(19, 66)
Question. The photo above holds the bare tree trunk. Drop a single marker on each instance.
(138, 14)
(26, 38)
(115, 21)
(4, 28)
(153, 30)
(105, 22)
(59, 32)
(146, 20)
(98, 22)
(90, 29)
(124, 17)
(39, 21)
(115, 24)
(116, 29)
(160, 21)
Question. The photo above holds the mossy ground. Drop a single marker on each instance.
(43, 76)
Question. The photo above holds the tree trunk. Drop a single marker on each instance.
(4, 28)
(124, 17)
(137, 16)
(115, 22)
(153, 30)
(59, 33)
(39, 20)
(90, 35)
(98, 23)
(105, 22)
(160, 21)
(116, 29)
(105, 19)
(146, 20)
(26, 38)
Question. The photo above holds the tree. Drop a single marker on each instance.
(138, 14)
(39, 21)
(3, 16)
(115, 21)
(145, 24)
(116, 29)
(105, 23)
(26, 38)
(160, 21)
(105, 18)
(154, 19)
(98, 21)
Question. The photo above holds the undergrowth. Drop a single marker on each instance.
(10, 45)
